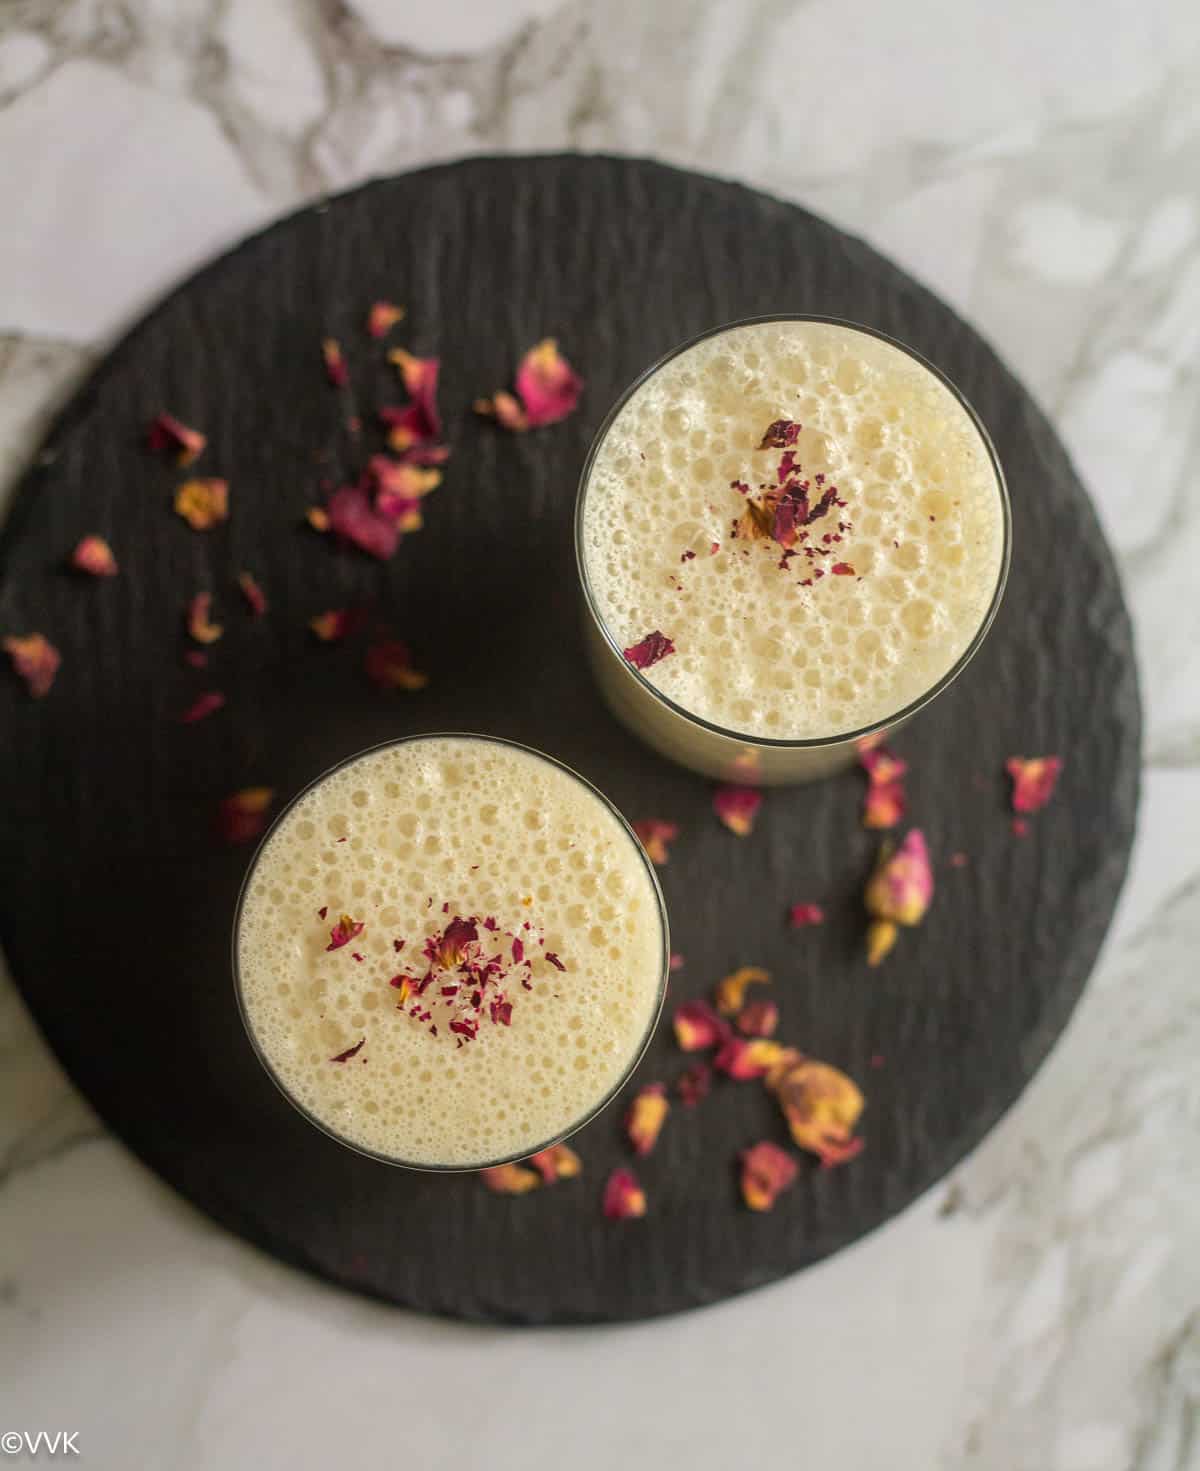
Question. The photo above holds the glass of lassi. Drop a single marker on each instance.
(791, 533)
(450, 951)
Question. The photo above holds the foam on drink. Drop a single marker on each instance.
(757, 653)
(486, 829)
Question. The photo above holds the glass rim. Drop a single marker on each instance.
(796, 743)
(636, 1056)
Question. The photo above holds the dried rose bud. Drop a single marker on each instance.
(758, 1019)
(548, 386)
(256, 599)
(510, 1179)
(624, 1198)
(694, 1084)
(242, 817)
(335, 362)
(697, 1026)
(349, 1052)
(650, 650)
(389, 665)
(35, 659)
(767, 1171)
(898, 893)
(800, 916)
(344, 931)
(202, 706)
(382, 317)
(559, 1162)
(821, 1106)
(742, 1060)
(1034, 779)
(737, 807)
(654, 834)
(647, 1113)
(169, 433)
(199, 620)
(203, 504)
(730, 993)
(94, 556)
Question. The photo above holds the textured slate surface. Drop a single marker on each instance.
(115, 903)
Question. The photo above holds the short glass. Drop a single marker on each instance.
(714, 750)
(569, 1124)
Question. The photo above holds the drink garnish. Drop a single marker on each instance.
(767, 1171)
(649, 650)
(203, 503)
(243, 817)
(647, 1113)
(346, 929)
(548, 387)
(94, 556)
(737, 807)
(169, 433)
(35, 659)
(654, 833)
(898, 893)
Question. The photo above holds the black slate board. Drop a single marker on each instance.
(115, 903)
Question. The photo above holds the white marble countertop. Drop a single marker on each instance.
(1038, 163)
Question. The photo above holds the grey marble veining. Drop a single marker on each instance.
(1039, 166)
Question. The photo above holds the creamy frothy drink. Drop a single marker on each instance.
(450, 951)
(790, 533)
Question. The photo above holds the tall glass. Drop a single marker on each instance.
(450, 951)
(901, 615)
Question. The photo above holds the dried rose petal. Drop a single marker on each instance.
(741, 1059)
(349, 1052)
(1034, 779)
(336, 624)
(624, 1198)
(199, 621)
(554, 960)
(242, 817)
(694, 1084)
(382, 317)
(842, 569)
(398, 490)
(884, 806)
(821, 1106)
(203, 503)
(202, 705)
(898, 892)
(758, 1019)
(196, 658)
(418, 422)
(676, 961)
(697, 1026)
(556, 1163)
(318, 518)
(35, 659)
(168, 432)
(781, 434)
(802, 915)
(548, 386)
(767, 1171)
(730, 994)
(344, 931)
(451, 948)
(354, 519)
(647, 1114)
(389, 665)
(654, 833)
(510, 1179)
(335, 362)
(650, 650)
(737, 807)
(94, 556)
(256, 599)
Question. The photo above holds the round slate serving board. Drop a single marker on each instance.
(115, 899)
